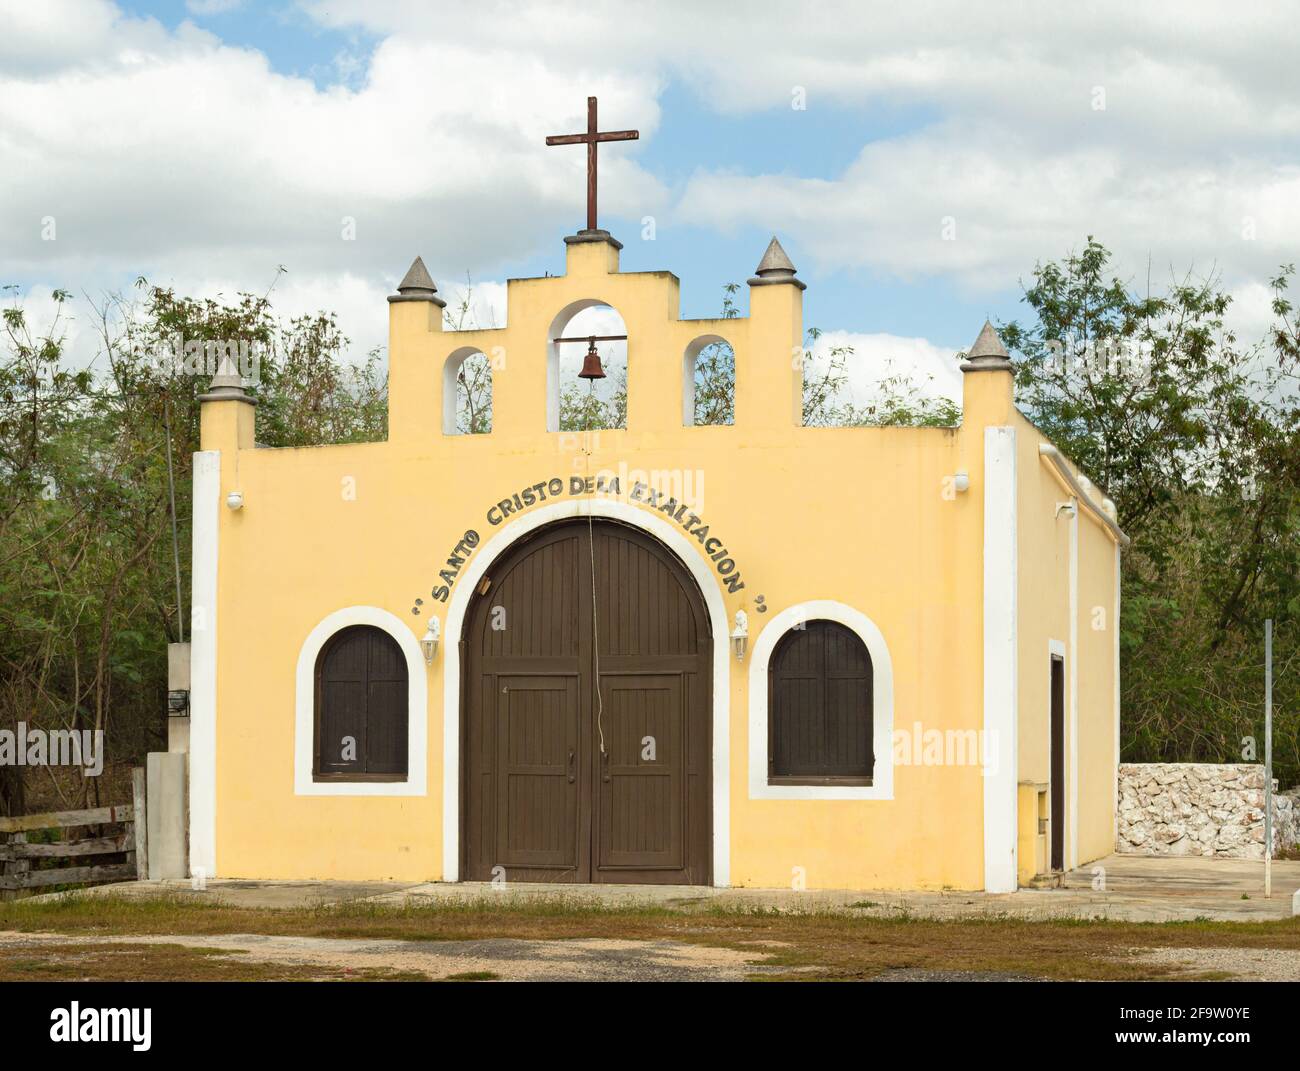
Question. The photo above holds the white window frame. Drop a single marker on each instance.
(882, 697)
(417, 700)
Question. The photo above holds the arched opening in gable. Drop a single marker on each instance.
(574, 403)
(467, 393)
(709, 382)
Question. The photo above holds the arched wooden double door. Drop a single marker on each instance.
(587, 659)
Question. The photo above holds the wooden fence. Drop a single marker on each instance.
(99, 855)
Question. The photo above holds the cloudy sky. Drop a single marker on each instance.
(915, 159)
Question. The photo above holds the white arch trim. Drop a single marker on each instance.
(673, 538)
(417, 705)
(882, 713)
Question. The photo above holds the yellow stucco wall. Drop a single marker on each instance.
(1044, 615)
(862, 516)
(1096, 685)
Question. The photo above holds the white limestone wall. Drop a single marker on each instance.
(1200, 809)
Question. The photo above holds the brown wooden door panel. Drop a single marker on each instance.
(640, 799)
(534, 607)
(536, 772)
(538, 799)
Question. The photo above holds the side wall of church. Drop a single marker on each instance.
(1067, 607)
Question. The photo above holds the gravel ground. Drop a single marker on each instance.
(592, 959)
(1246, 964)
(926, 974)
(606, 959)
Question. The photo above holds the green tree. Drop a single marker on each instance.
(1196, 438)
(898, 401)
(88, 588)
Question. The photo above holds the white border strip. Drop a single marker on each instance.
(1072, 814)
(882, 678)
(203, 663)
(1071, 482)
(1114, 626)
(417, 699)
(688, 552)
(1000, 660)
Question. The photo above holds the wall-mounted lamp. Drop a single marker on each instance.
(235, 500)
(1065, 507)
(429, 641)
(740, 635)
(961, 481)
(178, 703)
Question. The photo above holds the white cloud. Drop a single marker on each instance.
(163, 151)
(986, 211)
(212, 7)
(1197, 132)
(173, 154)
(71, 320)
(914, 363)
(1251, 313)
(483, 302)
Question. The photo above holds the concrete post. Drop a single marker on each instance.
(166, 811)
(140, 825)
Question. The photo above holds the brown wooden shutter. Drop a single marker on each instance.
(820, 707)
(361, 692)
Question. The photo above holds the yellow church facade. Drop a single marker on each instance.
(857, 657)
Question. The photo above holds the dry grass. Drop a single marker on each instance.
(77, 962)
(806, 945)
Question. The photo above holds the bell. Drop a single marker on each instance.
(591, 363)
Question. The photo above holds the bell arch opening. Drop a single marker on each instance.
(593, 338)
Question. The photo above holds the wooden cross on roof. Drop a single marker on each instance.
(591, 139)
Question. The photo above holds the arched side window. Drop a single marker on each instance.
(361, 707)
(467, 393)
(820, 707)
(709, 382)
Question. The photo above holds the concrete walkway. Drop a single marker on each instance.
(1129, 888)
